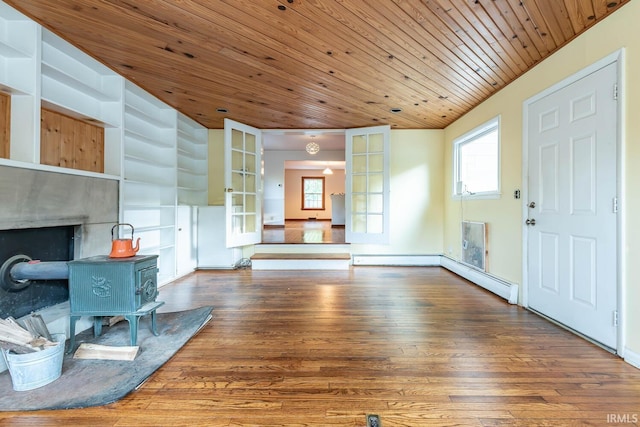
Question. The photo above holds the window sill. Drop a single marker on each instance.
(477, 196)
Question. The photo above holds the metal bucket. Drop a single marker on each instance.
(33, 370)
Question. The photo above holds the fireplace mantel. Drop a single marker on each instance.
(17, 223)
(35, 198)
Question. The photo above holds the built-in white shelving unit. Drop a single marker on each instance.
(75, 84)
(192, 162)
(19, 71)
(158, 154)
(150, 174)
(18, 51)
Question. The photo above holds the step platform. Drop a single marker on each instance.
(301, 261)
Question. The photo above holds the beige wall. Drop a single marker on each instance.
(216, 167)
(504, 216)
(416, 191)
(293, 193)
(416, 174)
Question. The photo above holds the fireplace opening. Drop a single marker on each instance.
(19, 298)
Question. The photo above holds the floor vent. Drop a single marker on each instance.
(373, 421)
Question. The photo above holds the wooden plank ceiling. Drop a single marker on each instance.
(320, 64)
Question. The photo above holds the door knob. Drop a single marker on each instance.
(532, 205)
(530, 221)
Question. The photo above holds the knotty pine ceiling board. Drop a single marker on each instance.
(320, 64)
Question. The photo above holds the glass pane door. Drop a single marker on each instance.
(367, 186)
(242, 184)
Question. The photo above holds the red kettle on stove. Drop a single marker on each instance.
(123, 248)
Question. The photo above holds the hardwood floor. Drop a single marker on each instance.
(295, 232)
(417, 346)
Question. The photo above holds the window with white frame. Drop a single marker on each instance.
(476, 160)
(312, 193)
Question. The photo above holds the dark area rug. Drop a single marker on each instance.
(85, 383)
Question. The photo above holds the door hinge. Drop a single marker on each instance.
(615, 317)
(615, 205)
(615, 91)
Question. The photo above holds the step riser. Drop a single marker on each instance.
(300, 264)
(301, 248)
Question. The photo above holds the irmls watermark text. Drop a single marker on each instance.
(622, 418)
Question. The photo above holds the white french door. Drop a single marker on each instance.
(367, 185)
(572, 204)
(242, 176)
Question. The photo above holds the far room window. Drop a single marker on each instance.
(477, 161)
(313, 193)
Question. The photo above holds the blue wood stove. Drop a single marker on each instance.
(103, 286)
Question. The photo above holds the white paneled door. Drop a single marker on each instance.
(243, 177)
(572, 205)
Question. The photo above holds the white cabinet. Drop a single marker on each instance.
(212, 250)
(186, 240)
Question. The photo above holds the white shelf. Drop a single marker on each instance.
(148, 109)
(147, 194)
(145, 160)
(150, 174)
(148, 132)
(95, 92)
(196, 167)
(192, 163)
(7, 50)
(144, 116)
(19, 37)
(79, 84)
(137, 131)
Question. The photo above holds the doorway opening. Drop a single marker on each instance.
(286, 161)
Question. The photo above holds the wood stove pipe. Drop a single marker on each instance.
(37, 270)
(17, 271)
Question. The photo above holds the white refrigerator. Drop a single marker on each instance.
(337, 209)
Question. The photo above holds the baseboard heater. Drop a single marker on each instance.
(500, 287)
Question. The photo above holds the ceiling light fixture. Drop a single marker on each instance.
(312, 148)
